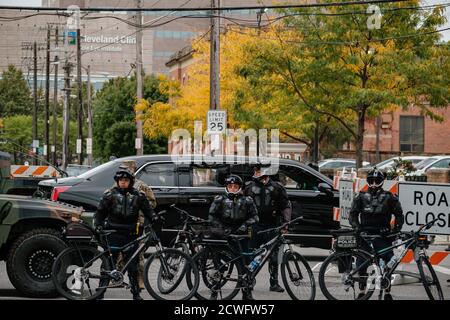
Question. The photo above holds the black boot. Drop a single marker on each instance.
(135, 290)
(247, 294)
(274, 286)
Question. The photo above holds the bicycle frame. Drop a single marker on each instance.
(374, 257)
(108, 251)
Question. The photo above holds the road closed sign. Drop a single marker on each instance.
(345, 201)
(424, 202)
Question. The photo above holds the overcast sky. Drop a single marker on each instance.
(37, 3)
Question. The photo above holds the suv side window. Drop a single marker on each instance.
(443, 164)
(159, 174)
(296, 178)
(205, 177)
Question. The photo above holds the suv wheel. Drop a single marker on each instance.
(30, 260)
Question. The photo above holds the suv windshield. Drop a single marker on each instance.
(422, 164)
(98, 169)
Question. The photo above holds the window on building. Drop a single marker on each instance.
(411, 133)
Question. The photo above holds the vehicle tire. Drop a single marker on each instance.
(429, 279)
(209, 261)
(92, 279)
(175, 278)
(334, 279)
(297, 276)
(30, 259)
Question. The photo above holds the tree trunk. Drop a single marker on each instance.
(360, 137)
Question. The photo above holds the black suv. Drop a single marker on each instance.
(193, 186)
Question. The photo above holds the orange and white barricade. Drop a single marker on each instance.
(22, 171)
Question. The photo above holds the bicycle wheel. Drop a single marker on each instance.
(74, 279)
(429, 279)
(160, 270)
(173, 262)
(219, 274)
(339, 278)
(297, 276)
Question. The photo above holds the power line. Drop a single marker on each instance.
(288, 6)
(340, 42)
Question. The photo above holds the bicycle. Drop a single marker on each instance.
(186, 238)
(340, 273)
(83, 272)
(224, 270)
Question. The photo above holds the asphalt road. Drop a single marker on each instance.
(261, 292)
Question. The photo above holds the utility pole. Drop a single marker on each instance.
(90, 124)
(66, 115)
(55, 100)
(139, 144)
(214, 79)
(316, 143)
(378, 129)
(80, 100)
(35, 104)
(47, 98)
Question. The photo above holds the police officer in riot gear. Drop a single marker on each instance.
(274, 209)
(372, 212)
(234, 213)
(119, 210)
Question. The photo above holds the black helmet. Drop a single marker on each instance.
(264, 173)
(233, 179)
(124, 173)
(375, 179)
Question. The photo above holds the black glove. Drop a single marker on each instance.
(99, 229)
(242, 229)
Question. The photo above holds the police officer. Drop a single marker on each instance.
(142, 187)
(274, 209)
(372, 212)
(119, 210)
(234, 213)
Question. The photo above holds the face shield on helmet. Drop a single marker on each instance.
(230, 186)
(375, 179)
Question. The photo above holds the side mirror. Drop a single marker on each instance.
(325, 188)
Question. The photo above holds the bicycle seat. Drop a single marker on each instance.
(239, 236)
(107, 232)
(342, 232)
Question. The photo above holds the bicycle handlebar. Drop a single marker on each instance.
(284, 225)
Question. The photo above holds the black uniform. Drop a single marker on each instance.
(372, 212)
(274, 208)
(119, 210)
(234, 214)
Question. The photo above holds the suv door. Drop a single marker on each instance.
(199, 184)
(315, 206)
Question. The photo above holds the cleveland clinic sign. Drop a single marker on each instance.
(108, 43)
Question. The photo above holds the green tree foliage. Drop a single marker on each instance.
(337, 69)
(16, 136)
(114, 117)
(15, 95)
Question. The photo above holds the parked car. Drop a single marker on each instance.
(389, 163)
(338, 163)
(193, 187)
(30, 240)
(434, 162)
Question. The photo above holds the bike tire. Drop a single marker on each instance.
(75, 258)
(205, 262)
(433, 288)
(341, 258)
(294, 269)
(190, 271)
(160, 281)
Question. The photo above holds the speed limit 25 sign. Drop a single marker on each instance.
(217, 121)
